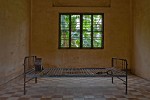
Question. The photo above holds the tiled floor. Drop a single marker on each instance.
(78, 89)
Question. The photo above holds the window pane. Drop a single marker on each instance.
(97, 27)
(75, 30)
(64, 22)
(97, 19)
(97, 42)
(86, 19)
(86, 22)
(64, 26)
(75, 34)
(97, 23)
(65, 34)
(64, 42)
(75, 42)
(86, 34)
(97, 35)
(75, 22)
(75, 39)
(86, 42)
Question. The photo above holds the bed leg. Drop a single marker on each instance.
(24, 88)
(126, 77)
(35, 79)
(126, 85)
(126, 90)
(112, 77)
(24, 83)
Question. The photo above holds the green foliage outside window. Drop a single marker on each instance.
(81, 31)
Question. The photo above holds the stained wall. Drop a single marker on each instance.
(141, 40)
(14, 33)
(45, 32)
(34, 31)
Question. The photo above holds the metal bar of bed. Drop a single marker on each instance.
(31, 72)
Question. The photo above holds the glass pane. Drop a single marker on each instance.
(97, 23)
(64, 43)
(97, 43)
(86, 19)
(86, 42)
(75, 34)
(65, 27)
(97, 27)
(86, 34)
(75, 39)
(86, 22)
(97, 19)
(75, 42)
(75, 30)
(64, 22)
(75, 23)
(65, 34)
(97, 34)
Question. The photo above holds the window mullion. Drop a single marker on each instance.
(91, 31)
(70, 31)
(59, 31)
(103, 31)
(81, 30)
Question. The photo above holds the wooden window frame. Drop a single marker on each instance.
(81, 29)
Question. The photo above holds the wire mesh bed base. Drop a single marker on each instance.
(33, 70)
(77, 72)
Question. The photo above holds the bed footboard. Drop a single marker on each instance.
(32, 64)
(122, 65)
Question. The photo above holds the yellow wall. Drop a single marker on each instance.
(14, 30)
(126, 35)
(141, 41)
(117, 36)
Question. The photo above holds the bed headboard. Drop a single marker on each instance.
(119, 63)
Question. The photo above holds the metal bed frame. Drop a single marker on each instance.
(33, 69)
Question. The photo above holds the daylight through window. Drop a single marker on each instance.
(81, 30)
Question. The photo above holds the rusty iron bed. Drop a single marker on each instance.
(33, 69)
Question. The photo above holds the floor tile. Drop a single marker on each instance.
(88, 88)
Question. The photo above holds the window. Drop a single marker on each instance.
(79, 31)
